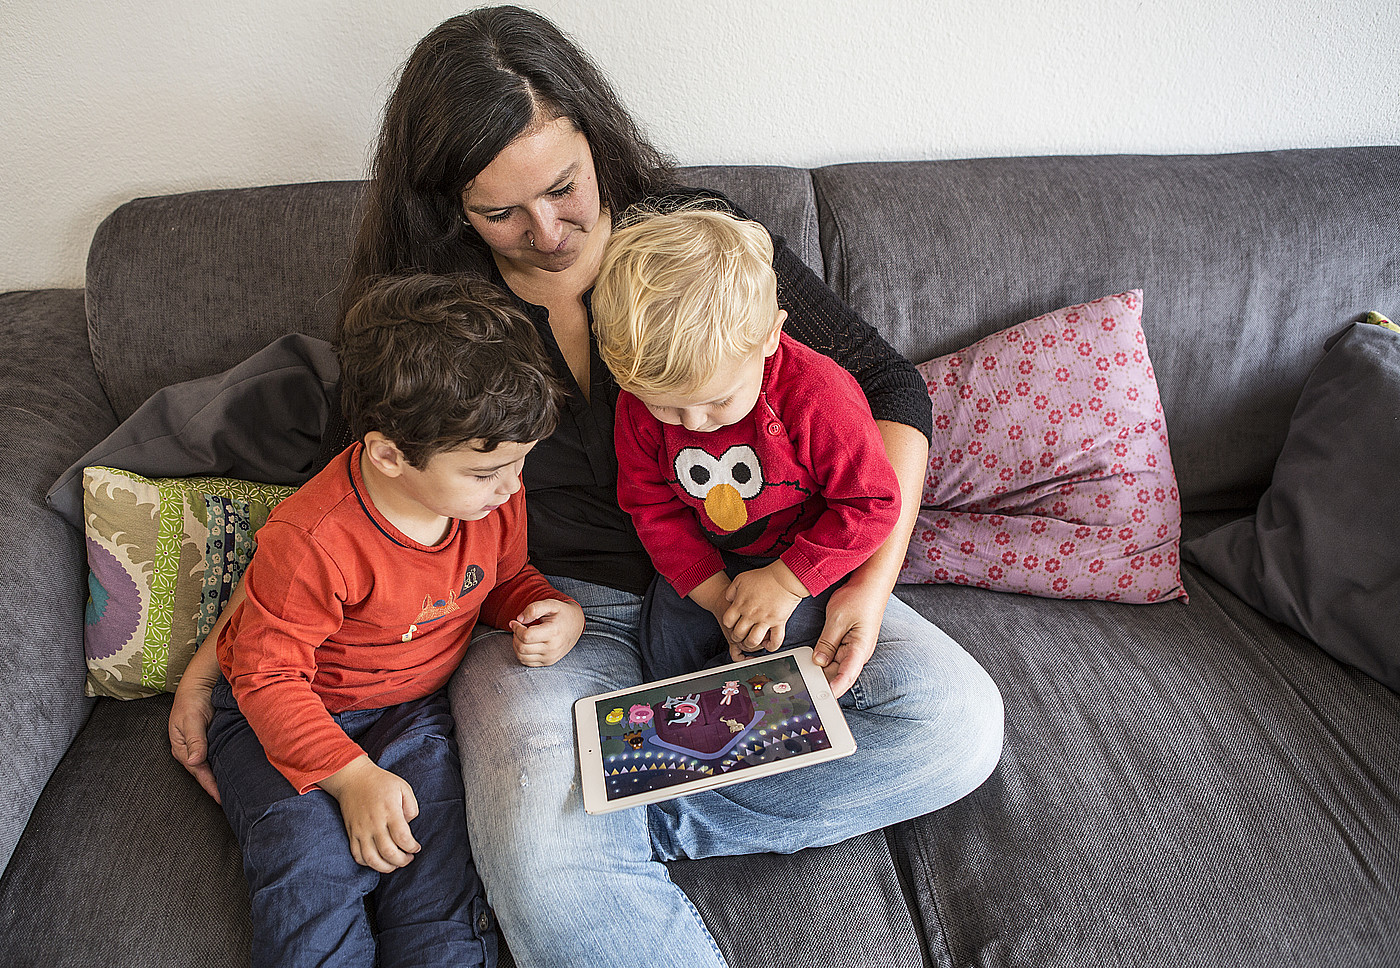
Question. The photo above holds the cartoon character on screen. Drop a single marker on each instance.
(707, 723)
(683, 711)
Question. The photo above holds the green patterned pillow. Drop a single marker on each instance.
(163, 557)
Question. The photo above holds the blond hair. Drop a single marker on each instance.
(681, 294)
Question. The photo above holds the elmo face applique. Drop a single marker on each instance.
(724, 484)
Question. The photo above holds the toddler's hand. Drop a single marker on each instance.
(760, 603)
(545, 631)
(376, 806)
(712, 595)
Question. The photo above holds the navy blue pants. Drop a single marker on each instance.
(679, 636)
(311, 903)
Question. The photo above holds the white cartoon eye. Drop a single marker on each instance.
(740, 467)
(699, 473)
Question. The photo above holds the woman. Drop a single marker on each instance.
(505, 152)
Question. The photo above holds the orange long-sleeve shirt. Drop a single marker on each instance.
(344, 611)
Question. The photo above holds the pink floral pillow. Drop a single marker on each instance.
(1049, 472)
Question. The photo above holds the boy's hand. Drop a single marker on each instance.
(545, 631)
(760, 603)
(376, 806)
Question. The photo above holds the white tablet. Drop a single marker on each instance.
(707, 729)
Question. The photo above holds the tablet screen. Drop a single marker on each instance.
(711, 728)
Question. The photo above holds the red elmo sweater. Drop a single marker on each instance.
(803, 477)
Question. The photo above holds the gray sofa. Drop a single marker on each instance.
(1182, 784)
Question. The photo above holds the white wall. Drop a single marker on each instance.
(105, 101)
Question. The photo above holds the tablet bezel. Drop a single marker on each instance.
(594, 781)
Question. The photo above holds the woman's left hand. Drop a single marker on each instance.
(853, 616)
(855, 610)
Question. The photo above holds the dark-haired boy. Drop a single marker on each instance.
(332, 737)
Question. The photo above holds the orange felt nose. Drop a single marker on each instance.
(726, 508)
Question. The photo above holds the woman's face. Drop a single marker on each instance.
(540, 189)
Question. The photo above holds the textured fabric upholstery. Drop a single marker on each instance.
(128, 860)
(51, 408)
(1180, 785)
(780, 198)
(184, 286)
(1247, 264)
(797, 910)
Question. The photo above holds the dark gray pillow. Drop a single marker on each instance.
(1322, 551)
(223, 425)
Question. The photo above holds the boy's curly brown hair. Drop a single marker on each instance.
(435, 362)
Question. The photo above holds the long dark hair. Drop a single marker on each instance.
(469, 88)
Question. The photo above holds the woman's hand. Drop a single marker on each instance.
(853, 616)
(190, 716)
(545, 631)
(193, 708)
(855, 610)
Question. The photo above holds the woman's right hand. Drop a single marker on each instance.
(193, 709)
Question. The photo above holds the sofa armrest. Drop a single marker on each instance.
(52, 409)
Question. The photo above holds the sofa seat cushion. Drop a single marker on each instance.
(841, 904)
(132, 864)
(1180, 785)
(125, 860)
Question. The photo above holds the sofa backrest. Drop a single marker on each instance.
(1248, 262)
(182, 286)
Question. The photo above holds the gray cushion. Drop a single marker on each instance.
(183, 286)
(781, 198)
(218, 425)
(1322, 553)
(841, 904)
(1181, 785)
